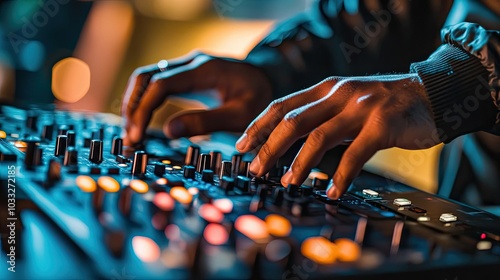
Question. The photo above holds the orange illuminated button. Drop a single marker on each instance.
(211, 213)
(86, 183)
(108, 184)
(139, 186)
(215, 234)
(319, 250)
(278, 225)
(348, 250)
(181, 195)
(3, 135)
(166, 161)
(145, 249)
(251, 226)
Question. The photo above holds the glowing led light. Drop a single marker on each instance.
(20, 144)
(176, 167)
(161, 181)
(3, 135)
(164, 201)
(319, 250)
(225, 205)
(108, 184)
(277, 250)
(193, 191)
(139, 186)
(166, 161)
(145, 249)
(168, 168)
(251, 226)
(122, 165)
(215, 234)
(210, 213)
(70, 79)
(278, 225)
(181, 194)
(86, 183)
(348, 250)
(483, 235)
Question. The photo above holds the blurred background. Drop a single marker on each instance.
(79, 54)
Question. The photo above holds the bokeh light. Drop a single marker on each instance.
(70, 79)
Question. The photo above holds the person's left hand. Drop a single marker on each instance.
(374, 112)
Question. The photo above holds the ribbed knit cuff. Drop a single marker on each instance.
(457, 85)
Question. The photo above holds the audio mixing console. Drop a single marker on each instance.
(78, 204)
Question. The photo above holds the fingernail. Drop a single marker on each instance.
(242, 142)
(285, 180)
(332, 192)
(176, 128)
(255, 165)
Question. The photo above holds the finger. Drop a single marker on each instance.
(198, 75)
(228, 117)
(260, 129)
(294, 125)
(364, 146)
(320, 140)
(139, 81)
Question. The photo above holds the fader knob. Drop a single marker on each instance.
(159, 169)
(47, 131)
(235, 161)
(243, 183)
(95, 154)
(71, 138)
(216, 161)
(204, 162)
(140, 163)
(31, 121)
(226, 169)
(70, 156)
(189, 172)
(117, 146)
(227, 183)
(31, 147)
(61, 144)
(207, 176)
(192, 154)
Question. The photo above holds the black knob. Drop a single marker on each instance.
(306, 191)
(37, 160)
(235, 161)
(259, 199)
(71, 138)
(47, 132)
(226, 169)
(31, 147)
(95, 154)
(31, 121)
(243, 183)
(204, 162)
(70, 156)
(292, 190)
(140, 163)
(216, 161)
(53, 173)
(63, 129)
(278, 196)
(192, 154)
(61, 144)
(117, 146)
(244, 169)
(207, 176)
(96, 134)
(159, 169)
(189, 172)
(227, 183)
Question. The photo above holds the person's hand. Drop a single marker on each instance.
(245, 91)
(374, 112)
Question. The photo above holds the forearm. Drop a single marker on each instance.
(462, 81)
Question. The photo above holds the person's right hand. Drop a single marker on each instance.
(244, 89)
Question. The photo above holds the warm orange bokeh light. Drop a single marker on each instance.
(70, 79)
(349, 251)
(86, 183)
(145, 249)
(215, 234)
(319, 250)
(211, 213)
(108, 184)
(181, 194)
(251, 226)
(278, 225)
(164, 201)
(139, 186)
